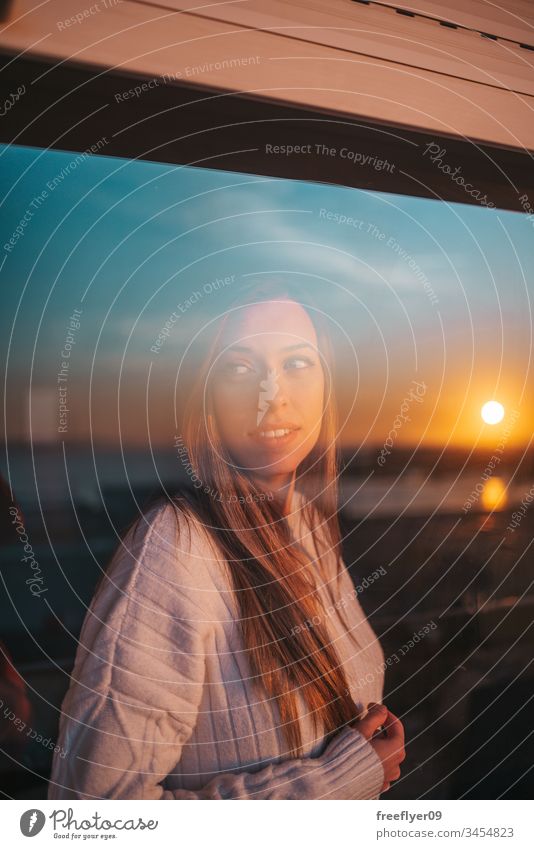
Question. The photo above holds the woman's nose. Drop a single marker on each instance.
(272, 396)
(274, 389)
(279, 401)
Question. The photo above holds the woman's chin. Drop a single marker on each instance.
(270, 472)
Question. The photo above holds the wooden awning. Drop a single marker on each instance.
(428, 87)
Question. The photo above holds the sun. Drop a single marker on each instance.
(492, 412)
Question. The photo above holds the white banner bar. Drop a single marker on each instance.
(279, 825)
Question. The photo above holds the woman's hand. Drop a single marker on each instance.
(390, 747)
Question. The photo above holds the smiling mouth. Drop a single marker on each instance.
(275, 436)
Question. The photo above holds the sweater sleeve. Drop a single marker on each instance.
(136, 690)
(348, 769)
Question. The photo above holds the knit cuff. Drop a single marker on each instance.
(352, 769)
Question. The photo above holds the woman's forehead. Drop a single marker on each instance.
(270, 324)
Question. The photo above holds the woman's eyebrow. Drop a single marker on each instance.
(244, 350)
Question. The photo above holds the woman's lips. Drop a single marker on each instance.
(274, 442)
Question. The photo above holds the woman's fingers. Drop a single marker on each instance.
(374, 718)
(390, 753)
(394, 727)
(395, 735)
(390, 748)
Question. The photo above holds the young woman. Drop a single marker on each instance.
(225, 654)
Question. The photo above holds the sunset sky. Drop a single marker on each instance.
(423, 291)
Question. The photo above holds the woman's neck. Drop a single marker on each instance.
(282, 488)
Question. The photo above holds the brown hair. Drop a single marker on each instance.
(267, 569)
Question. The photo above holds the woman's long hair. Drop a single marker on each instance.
(280, 614)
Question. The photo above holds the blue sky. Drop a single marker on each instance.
(126, 241)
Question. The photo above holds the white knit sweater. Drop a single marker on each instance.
(160, 704)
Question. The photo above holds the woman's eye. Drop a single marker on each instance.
(237, 368)
(299, 362)
(242, 369)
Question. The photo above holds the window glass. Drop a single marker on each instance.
(110, 266)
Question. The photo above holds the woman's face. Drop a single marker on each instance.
(268, 387)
